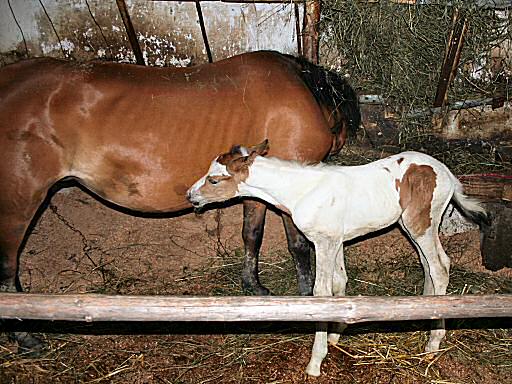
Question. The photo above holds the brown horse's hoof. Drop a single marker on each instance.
(29, 346)
(255, 290)
(305, 288)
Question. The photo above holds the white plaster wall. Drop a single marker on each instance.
(168, 32)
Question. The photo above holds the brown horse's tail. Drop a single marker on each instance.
(333, 92)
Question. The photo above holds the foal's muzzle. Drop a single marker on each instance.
(194, 200)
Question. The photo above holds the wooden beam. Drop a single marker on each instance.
(90, 308)
(238, 1)
(132, 37)
(492, 4)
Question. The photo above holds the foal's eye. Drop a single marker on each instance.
(213, 181)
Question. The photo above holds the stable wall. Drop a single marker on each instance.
(168, 32)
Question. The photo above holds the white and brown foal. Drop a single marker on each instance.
(332, 204)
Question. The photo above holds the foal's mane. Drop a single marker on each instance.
(297, 164)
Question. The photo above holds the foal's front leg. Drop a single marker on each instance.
(325, 262)
(339, 283)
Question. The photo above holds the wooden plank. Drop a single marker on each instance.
(488, 187)
(132, 37)
(90, 308)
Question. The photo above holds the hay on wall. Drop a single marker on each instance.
(396, 50)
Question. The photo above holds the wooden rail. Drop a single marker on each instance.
(90, 308)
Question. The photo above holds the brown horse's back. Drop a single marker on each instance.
(140, 136)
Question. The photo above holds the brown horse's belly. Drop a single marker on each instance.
(139, 137)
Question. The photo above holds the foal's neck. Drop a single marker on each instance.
(279, 182)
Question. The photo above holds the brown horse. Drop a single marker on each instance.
(139, 137)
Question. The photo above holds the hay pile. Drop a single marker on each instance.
(397, 50)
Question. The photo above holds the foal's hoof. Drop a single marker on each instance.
(333, 338)
(29, 346)
(313, 369)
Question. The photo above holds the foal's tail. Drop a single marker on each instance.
(472, 208)
(332, 91)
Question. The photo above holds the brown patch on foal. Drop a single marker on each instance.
(236, 153)
(416, 192)
(228, 157)
(224, 186)
(399, 161)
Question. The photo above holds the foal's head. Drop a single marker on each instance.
(226, 173)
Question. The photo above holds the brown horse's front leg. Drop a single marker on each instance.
(252, 234)
(299, 247)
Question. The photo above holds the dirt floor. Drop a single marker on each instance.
(80, 246)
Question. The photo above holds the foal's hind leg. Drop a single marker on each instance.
(438, 332)
(252, 234)
(436, 268)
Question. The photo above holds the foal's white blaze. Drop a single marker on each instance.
(244, 151)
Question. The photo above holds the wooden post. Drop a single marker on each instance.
(132, 37)
(310, 31)
(297, 29)
(350, 310)
(451, 58)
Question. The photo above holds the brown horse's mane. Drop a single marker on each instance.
(332, 91)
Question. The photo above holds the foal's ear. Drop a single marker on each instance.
(261, 148)
(236, 150)
(239, 164)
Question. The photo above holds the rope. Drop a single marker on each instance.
(19, 27)
(99, 28)
(54, 30)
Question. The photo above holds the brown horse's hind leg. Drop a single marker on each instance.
(13, 227)
(12, 231)
(252, 234)
(300, 248)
